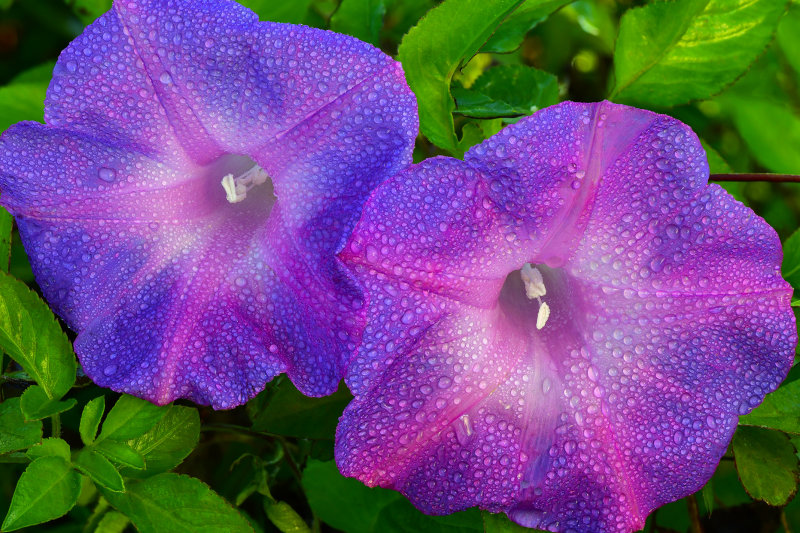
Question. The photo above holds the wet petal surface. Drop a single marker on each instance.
(667, 319)
(173, 290)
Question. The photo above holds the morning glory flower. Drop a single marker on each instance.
(183, 204)
(564, 326)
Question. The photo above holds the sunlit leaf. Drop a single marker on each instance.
(130, 418)
(30, 334)
(90, 419)
(15, 432)
(509, 35)
(446, 38)
(36, 405)
(50, 447)
(507, 91)
(172, 502)
(46, 490)
(100, 470)
(167, 443)
(670, 53)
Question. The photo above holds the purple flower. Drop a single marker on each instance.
(197, 174)
(564, 326)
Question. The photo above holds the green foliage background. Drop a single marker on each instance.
(77, 458)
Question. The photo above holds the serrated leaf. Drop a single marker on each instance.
(15, 432)
(36, 405)
(349, 505)
(6, 226)
(100, 470)
(50, 447)
(167, 443)
(130, 418)
(121, 453)
(360, 18)
(284, 517)
(30, 334)
(286, 411)
(446, 37)
(90, 419)
(779, 410)
(672, 52)
(767, 464)
(46, 490)
(510, 34)
(291, 11)
(507, 91)
(175, 503)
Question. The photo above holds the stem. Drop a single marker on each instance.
(55, 425)
(241, 430)
(771, 178)
(694, 515)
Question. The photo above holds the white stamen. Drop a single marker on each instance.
(544, 314)
(534, 283)
(236, 188)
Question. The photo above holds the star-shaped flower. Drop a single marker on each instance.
(196, 175)
(564, 326)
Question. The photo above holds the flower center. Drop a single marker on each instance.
(236, 188)
(535, 289)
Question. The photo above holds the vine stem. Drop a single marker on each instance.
(771, 178)
(55, 426)
(694, 515)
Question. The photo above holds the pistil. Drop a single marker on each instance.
(535, 289)
(236, 188)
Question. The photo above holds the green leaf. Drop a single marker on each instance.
(789, 36)
(23, 98)
(15, 432)
(50, 447)
(169, 503)
(767, 464)
(121, 453)
(499, 523)
(100, 470)
(450, 34)
(707, 496)
(779, 410)
(6, 225)
(362, 19)
(285, 411)
(88, 10)
(670, 53)
(771, 132)
(507, 91)
(46, 490)
(30, 334)
(90, 419)
(112, 522)
(284, 517)
(510, 34)
(36, 405)
(167, 443)
(349, 505)
(130, 418)
(290, 11)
